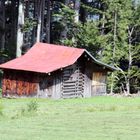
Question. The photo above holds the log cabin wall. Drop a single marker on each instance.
(86, 70)
(19, 83)
(73, 80)
(64, 83)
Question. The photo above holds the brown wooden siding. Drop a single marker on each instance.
(17, 83)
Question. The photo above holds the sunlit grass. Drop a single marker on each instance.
(99, 118)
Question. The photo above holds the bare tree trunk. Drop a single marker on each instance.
(19, 29)
(130, 32)
(39, 21)
(114, 49)
(103, 25)
(77, 9)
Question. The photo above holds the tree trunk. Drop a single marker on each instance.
(83, 12)
(19, 29)
(103, 25)
(77, 8)
(114, 49)
(3, 26)
(48, 21)
(130, 32)
(39, 21)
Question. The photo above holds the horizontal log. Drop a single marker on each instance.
(67, 97)
(68, 87)
(66, 84)
(72, 88)
(66, 75)
(69, 90)
(71, 93)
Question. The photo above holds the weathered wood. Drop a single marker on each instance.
(57, 86)
(87, 85)
(18, 84)
(69, 90)
(98, 83)
(72, 85)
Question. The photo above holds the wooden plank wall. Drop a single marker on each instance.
(87, 86)
(57, 85)
(17, 83)
(45, 89)
(99, 83)
(95, 77)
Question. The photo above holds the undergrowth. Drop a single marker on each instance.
(1, 109)
(0, 92)
(100, 108)
(30, 109)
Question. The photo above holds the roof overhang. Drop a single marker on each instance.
(109, 67)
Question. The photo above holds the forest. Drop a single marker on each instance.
(108, 29)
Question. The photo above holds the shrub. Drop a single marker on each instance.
(1, 109)
(32, 106)
(0, 92)
(29, 110)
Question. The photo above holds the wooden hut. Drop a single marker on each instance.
(53, 71)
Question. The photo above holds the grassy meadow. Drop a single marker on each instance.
(98, 118)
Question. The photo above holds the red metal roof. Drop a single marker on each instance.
(45, 58)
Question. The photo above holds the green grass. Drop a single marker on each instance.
(99, 118)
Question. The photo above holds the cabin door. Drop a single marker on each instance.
(72, 82)
(98, 83)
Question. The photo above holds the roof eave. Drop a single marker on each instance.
(111, 68)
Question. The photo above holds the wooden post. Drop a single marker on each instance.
(19, 29)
